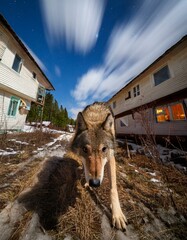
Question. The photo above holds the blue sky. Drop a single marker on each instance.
(89, 49)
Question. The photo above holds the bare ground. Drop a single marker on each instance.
(42, 195)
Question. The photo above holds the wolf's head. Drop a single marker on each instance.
(94, 143)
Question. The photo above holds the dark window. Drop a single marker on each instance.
(34, 75)
(162, 75)
(114, 104)
(17, 63)
(129, 95)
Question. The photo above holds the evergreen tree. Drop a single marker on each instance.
(58, 116)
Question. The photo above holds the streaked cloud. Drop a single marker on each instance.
(133, 46)
(76, 21)
(57, 71)
(88, 84)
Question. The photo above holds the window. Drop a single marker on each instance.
(129, 95)
(41, 94)
(34, 75)
(162, 114)
(178, 112)
(114, 104)
(124, 121)
(162, 75)
(136, 91)
(17, 63)
(13, 106)
(173, 112)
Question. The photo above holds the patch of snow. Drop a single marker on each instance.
(28, 128)
(152, 174)
(40, 149)
(20, 142)
(4, 153)
(136, 171)
(154, 180)
(46, 123)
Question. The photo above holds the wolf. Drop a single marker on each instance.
(94, 143)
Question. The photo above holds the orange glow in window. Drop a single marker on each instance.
(178, 112)
(162, 114)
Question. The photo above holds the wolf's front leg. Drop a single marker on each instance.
(118, 218)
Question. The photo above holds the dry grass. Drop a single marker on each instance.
(82, 221)
(156, 210)
(142, 199)
(12, 185)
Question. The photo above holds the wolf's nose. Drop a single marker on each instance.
(94, 182)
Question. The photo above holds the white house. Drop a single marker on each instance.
(21, 79)
(156, 100)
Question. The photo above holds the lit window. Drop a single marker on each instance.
(136, 90)
(13, 106)
(162, 75)
(162, 114)
(178, 112)
(17, 63)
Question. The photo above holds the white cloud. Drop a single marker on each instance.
(57, 71)
(133, 47)
(78, 21)
(88, 84)
(156, 26)
(74, 112)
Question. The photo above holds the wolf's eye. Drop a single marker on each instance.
(104, 149)
(85, 149)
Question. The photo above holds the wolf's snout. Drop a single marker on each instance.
(94, 182)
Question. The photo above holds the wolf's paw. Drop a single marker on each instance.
(119, 220)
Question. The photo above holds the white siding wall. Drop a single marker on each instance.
(8, 122)
(14, 81)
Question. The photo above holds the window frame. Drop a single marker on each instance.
(183, 108)
(13, 112)
(17, 66)
(159, 70)
(136, 90)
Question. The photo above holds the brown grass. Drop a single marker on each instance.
(66, 207)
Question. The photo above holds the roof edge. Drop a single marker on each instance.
(161, 56)
(4, 21)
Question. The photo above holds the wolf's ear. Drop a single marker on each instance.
(80, 124)
(108, 124)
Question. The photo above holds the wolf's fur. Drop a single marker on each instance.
(94, 142)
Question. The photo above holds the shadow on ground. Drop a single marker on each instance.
(54, 192)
